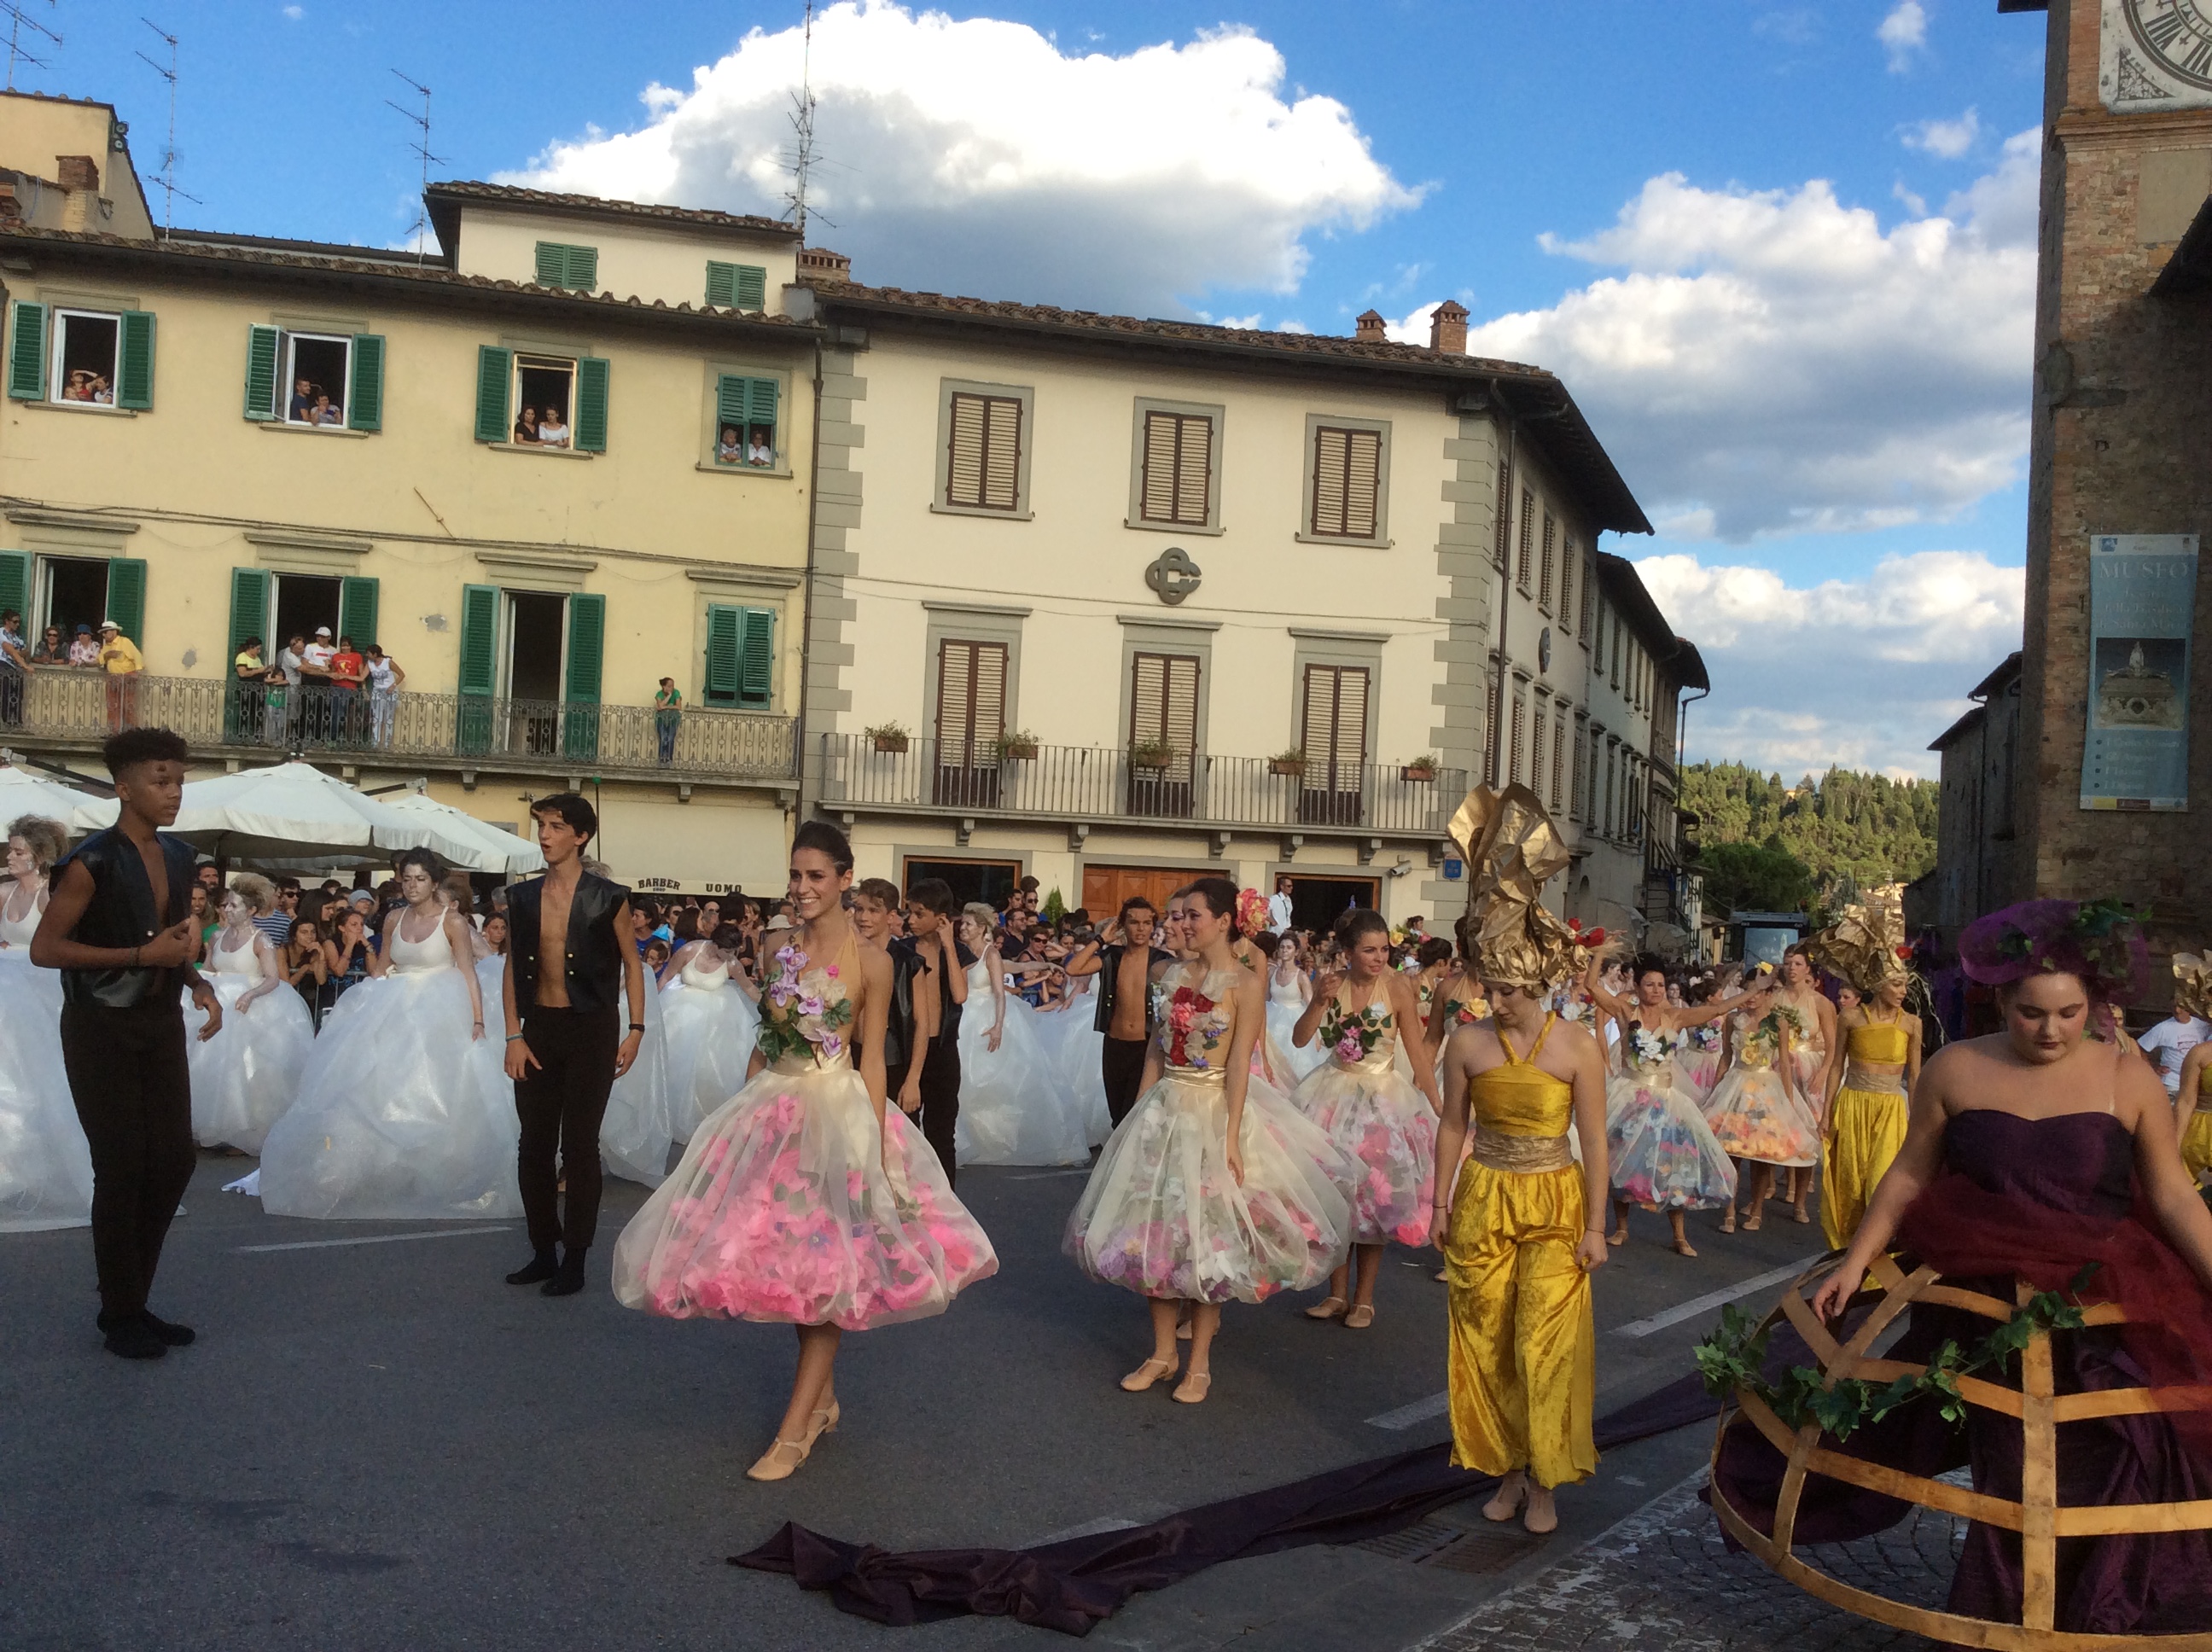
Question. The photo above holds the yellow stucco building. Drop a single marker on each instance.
(566, 455)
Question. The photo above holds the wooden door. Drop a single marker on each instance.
(971, 716)
(1104, 888)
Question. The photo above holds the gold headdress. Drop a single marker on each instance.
(2192, 985)
(1867, 946)
(1512, 849)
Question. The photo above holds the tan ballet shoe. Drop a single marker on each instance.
(1619, 1236)
(781, 1461)
(1506, 1501)
(1193, 1388)
(1798, 1215)
(1329, 1308)
(1147, 1374)
(1752, 1223)
(1683, 1248)
(1728, 1222)
(1541, 1523)
(1360, 1317)
(1443, 1276)
(825, 1419)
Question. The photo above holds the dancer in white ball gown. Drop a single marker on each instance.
(404, 1110)
(1289, 992)
(46, 1166)
(637, 1129)
(1016, 1107)
(245, 1076)
(710, 1010)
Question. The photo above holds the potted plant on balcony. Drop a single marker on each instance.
(888, 737)
(1017, 745)
(1422, 768)
(1154, 756)
(1291, 763)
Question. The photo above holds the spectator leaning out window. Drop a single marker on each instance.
(84, 650)
(52, 649)
(384, 679)
(667, 718)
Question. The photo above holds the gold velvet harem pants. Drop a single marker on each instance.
(1524, 1361)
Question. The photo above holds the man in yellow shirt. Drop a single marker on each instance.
(120, 658)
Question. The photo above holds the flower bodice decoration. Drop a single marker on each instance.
(1352, 1036)
(806, 1010)
(1648, 1047)
(1194, 1023)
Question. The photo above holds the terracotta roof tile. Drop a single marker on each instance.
(602, 206)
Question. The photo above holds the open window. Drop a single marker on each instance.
(314, 380)
(67, 591)
(746, 430)
(531, 665)
(526, 399)
(93, 360)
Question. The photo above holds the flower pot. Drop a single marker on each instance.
(1018, 750)
(1285, 767)
(1417, 772)
(890, 742)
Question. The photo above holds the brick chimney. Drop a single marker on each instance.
(1447, 328)
(1368, 329)
(820, 263)
(77, 171)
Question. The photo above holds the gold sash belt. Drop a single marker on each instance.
(792, 1066)
(1879, 1083)
(1183, 1075)
(1521, 1154)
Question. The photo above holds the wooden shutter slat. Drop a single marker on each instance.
(1147, 694)
(1362, 483)
(1194, 471)
(552, 264)
(365, 394)
(495, 373)
(760, 406)
(357, 605)
(126, 596)
(134, 370)
(955, 696)
(1180, 718)
(16, 586)
(1002, 454)
(591, 375)
(989, 721)
(1156, 488)
(751, 286)
(260, 373)
(757, 667)
(587, 632)
(964, 466)
(731, 399)
(723, 643)
(26, 353)
(721, 284)
(1331, 462)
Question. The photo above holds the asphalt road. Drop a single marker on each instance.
(382, 1445)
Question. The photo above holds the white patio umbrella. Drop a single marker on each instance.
(290, 811)
(505, 852)
(23, 792)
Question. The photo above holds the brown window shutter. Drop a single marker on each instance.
(1194, 471)
(1362, 494)
(1331, 460)
(1513, 771)
(1527, 510)
(1347, 474)
(1002, 454)
(1156, 493)
(1504, 506)
(963, 465)
(1544, 573)
(1536, 753)
(1590, 598)
(1334, 727)
(1163, 703)
(971, 702)
(1558, 761)
(1182, 706)
(982, 469)
(1567, 589)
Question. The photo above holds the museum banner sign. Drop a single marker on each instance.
(2142, 602)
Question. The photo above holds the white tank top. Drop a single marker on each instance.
(12, 931)
(416, 958)
(240, 961)
(1284, 992)
(979, 979)
(706, 980)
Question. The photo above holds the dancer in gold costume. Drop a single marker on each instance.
(1872, 1072)
(1516, 1233)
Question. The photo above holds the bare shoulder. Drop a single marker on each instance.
(1475, 1047)
(875, 969)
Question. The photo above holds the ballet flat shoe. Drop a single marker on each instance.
(825, 1420)
(1147, 1374)
(781, 1460)
(1193, 1388)
(1329, 1308)
(1360, 1317)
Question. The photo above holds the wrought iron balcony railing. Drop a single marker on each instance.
(460, 730)
(1079, 783)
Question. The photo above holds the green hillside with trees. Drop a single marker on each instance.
(1766, 847)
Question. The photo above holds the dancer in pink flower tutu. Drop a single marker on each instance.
(1375, 1116)
(803, 1200)
(1214, 1187)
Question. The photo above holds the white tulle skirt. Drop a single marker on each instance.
(635, 1134)
(1754, 1117)
(1163, 1217)
(1016, 1105)
(1386, 1128)
(401, 1115)
(245, 1076)
(1299, 1061)
(710, 1033)
(792, 1206)
(1659, 1150)
(1078, 1048)
(45, 1166)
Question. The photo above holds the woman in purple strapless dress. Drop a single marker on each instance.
(2031, 1153)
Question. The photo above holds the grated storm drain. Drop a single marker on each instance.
(1434, 1542)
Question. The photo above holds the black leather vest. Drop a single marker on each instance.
(1109, 975)
(594, 951)
(898, 1024)
(121, 914)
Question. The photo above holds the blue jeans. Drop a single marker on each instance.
(665, 724)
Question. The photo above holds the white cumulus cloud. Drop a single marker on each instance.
(1862, 672)
(975, 156)
(1902, 32)
(1945, 139)
(1774, 360)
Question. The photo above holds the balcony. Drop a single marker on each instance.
(1102, 784)
(78, 709)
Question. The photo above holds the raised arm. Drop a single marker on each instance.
(1310, 1018)
(1594, 984)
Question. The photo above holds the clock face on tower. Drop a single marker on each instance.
(2155, 54)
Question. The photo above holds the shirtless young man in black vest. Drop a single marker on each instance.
(570, 956)
(120, 928)
(1124, 968)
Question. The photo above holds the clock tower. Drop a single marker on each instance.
(2120, 469)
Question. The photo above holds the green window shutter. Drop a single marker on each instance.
(494, 374)
(730, 402)
(587, 634)
(134, 372)
(725, 650)
(249, 608)
(479, 666)
(751, 286)
(261, 373)
(365, 396)
(721, 285)
(760, 406)
(592, 404)
(583, 272)
(126, 597)
(756, 676)
(552, 264)
(27, 354)
(16, 584)
(357, 611)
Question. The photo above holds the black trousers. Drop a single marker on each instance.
(1121, 1064)
(134, 1098)
(940, 1102)
(561, 1103)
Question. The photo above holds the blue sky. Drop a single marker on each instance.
(1781, 253)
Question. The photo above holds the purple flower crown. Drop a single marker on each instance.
(2101, 942)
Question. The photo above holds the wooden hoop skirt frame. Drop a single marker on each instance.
(2038, 1517)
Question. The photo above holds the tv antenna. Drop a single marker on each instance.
(801, 154)
(170, 153)
(420, 147)
(17, 22)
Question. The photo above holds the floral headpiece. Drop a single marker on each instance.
(1866, 945)
(1511, 850)
(2192, 985)
(2098, 941)
(1251, 912)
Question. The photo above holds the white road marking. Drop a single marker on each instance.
(1419, 1412)
(1712, 1299)
(380, 1239)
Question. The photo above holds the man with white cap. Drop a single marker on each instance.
(120, 658)
(315, 671)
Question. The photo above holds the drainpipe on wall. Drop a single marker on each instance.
(800, 811)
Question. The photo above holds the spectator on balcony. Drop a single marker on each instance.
(85, 650)
(551, 432)
(348, 674)
(120, 658)
(384, 680)
(311, 702)
(667, 718)
(249, 690)
(51, 649)
(14, 667)
(526, 428)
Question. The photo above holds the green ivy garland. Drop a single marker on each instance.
(1734, 1358)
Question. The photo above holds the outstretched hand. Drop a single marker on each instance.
(204, 998)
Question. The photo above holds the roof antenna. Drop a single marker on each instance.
(170, 153)
(801, 154)
(17, 22)
(420, 229)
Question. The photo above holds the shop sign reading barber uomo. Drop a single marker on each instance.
(2143, 600)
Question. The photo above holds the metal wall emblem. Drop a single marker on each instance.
(1173, 575)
